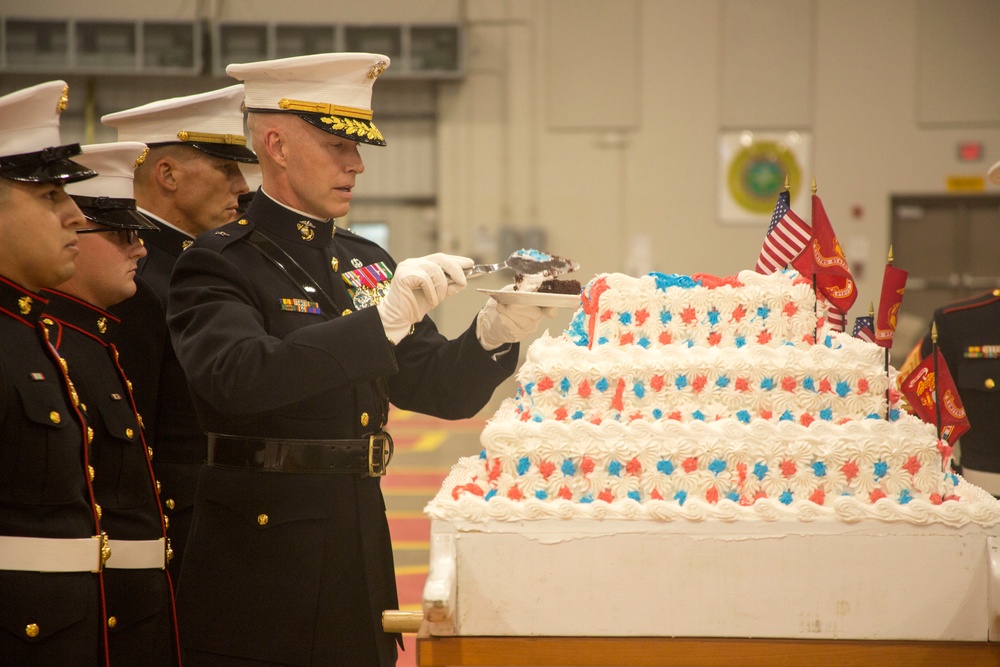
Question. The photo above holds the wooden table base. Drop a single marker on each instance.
(692, 652)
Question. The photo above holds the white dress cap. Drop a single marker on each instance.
(211, 122)
(30, 147)
(115, 166)
(29, 118)
(332, 91)
(108, 199)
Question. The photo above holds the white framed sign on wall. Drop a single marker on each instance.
(752, 170)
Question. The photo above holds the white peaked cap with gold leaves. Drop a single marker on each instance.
(332, 91)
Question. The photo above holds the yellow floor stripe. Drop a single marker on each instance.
(429, 491)
(404, 469)
(412, 545)
(430, 441)
(411, 569)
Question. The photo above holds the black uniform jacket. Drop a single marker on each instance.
(141, 601)
(45, 618)
(159, 386)
(308, 555)
(969, 339)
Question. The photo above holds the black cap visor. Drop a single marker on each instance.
(112, 212)
(233, 152)
(51, 165)
(226, 151)
(355, 129)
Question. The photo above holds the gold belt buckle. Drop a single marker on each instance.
(379, 454)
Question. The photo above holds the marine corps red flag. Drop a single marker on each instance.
(833, 276)
(893, 283)
(934, 397)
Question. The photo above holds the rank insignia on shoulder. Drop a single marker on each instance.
(300, 306)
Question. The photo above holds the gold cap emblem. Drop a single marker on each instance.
(63, 100)
(377, 69)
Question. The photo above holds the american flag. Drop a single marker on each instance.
(863, 328)
(836, 318)
(786, 238)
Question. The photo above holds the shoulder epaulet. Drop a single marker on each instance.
(346, 234)
(217, 239)
(975, 302)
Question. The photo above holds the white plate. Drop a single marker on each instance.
(534, 298)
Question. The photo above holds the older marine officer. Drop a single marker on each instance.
(189, 183)
(295, 336)
(52, 610)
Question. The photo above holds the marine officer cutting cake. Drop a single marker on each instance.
(295, 335)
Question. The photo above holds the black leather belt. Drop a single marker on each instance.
(368, 457)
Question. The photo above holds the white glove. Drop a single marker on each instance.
(418, 285)
(500, 323)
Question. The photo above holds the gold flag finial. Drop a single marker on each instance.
(814, 185)
(890, 253)
(934, 332)
(871, 309)
(787, 186)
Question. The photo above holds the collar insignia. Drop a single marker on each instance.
(306, 229)
(102, 325)
(25, 303)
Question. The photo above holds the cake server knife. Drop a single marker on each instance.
(529, 262)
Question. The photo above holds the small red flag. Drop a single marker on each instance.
(927, 391)
(893, 283)
(827, 261)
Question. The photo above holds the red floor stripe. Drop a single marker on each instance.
(398, 478)
(410, 588)
(410, 530)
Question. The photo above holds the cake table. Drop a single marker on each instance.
(619, 592)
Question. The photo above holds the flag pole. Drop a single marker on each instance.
(937, 403)
(884, 349)
(815, 294)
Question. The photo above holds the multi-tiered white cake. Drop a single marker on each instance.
(703, 407)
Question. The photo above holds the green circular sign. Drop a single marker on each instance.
(757, 174)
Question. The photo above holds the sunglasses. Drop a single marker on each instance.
(125, 236)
